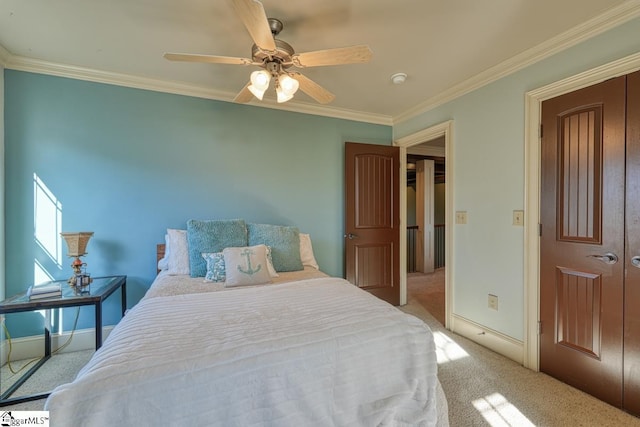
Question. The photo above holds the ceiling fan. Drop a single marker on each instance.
(275, 58)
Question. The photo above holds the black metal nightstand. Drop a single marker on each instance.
(99, 290)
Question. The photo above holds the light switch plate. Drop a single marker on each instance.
(493, 302)
(461, 217)
(518, 217)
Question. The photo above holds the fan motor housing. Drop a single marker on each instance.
(284, 52)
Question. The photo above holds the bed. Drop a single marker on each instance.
(305, 349)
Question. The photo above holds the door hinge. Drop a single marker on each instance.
(541, 131)
(539, 327)
(539, 229)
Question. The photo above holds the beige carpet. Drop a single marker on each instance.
(486, 389)
(60, 368)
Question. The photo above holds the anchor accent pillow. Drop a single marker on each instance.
(216, 271)
(246, 266)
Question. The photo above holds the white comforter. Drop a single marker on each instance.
(318, 352)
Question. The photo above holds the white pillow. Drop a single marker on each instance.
(163, 263)
(246, 266)
(306, 252)
(272, 269)
(178, 252)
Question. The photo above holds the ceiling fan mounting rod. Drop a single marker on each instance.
(273, 67)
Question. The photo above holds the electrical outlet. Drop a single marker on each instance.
(518, 217)
(461, 217)
(493, 302)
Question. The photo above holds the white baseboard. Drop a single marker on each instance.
(494, 340)
(33, 346)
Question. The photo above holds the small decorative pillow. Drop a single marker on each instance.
(284, 242)
(215, 267)
(216, 271)
(306, 252)
(246, 266)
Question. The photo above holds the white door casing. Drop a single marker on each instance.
(445, 130)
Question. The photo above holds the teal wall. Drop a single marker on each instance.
(488, 167)
(127, 163)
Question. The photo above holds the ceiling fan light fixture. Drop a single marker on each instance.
(259, 83)
(286, 87)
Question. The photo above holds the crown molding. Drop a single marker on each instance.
(4, 56)
(610, 19)
(21, 63)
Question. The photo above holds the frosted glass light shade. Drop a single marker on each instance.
(286, 88)
(259, 83)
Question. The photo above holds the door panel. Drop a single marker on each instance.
(632, 280)
(579, 303)
(372, 225)
(582, 217)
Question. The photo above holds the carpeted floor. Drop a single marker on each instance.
(484, 388)
(59, 369)
(428, 291)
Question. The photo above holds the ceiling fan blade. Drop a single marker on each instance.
(253, 16)
(213, 59)
(313, 89)
(341, 55)
(244, 95)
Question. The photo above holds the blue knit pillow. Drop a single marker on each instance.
(208, 236)
(284, 242)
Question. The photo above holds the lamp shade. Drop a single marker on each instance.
(77, 242)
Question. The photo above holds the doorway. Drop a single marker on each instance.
(443, 133)
(425, 189)
(590, 173)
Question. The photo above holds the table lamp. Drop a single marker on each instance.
(77, 245)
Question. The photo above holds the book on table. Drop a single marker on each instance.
(47, 290)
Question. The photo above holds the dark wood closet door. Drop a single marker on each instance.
(632, 261)
(582, 242)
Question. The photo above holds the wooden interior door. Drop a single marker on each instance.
(632, 261)
(372, 223)
(582, 239)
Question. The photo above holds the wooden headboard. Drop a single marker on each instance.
(160, 248)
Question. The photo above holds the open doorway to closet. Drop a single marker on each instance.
(425, 219)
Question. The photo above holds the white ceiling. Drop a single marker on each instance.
(439, 44)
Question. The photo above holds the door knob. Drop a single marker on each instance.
(635, 261)
(351, 236)
(608, 258)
